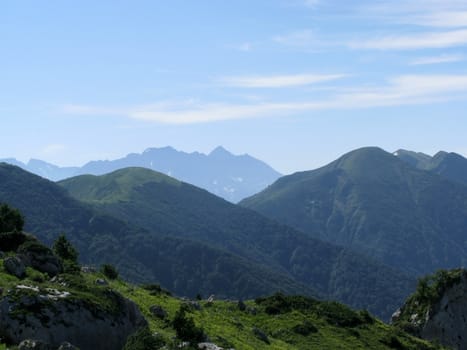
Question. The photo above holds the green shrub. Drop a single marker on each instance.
(109, 271)
(306, 328)
(144, 340)
(185, 327)
(10, 219)
(10, 241)
(64, 250)
(155, 289)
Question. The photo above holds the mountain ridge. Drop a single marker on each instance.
(368, 200)
(230, 176)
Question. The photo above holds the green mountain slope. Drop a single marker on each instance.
(160, 204)
(186, 267)
(371, 201)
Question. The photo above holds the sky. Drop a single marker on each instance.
(295, 83)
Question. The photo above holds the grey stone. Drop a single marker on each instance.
(158, 311)
(30, 344)
(258, 333)
(14, 266)
(43, 261)
(67, 346)
(209, 346)
(101, 282)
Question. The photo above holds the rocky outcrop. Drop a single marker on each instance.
(40, 258)
(52, 317)
(443, 319)
(447, 319)
(14, 266)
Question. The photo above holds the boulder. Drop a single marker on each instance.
(30, 344)
(158, 311)
(14, 266)
(101, 282)
(28, 312)
(258, 333)
(67, 346)
(40, 258)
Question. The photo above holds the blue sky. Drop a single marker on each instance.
(293, 82)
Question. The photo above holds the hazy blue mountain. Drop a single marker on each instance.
(220, 172)
(157, 202)
(43, 169)
(449, 165)
(373, 202)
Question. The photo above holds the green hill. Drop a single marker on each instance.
(371, 201)
(159, 203)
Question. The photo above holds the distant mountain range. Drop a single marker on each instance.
(220, 172)
(381, 205)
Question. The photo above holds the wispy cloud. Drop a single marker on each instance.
(301, 38)
(432, 13)
(279, 81)
(244, 47)
(430, 40)
(445, 19)
(53, 149)
(402, 90)
(437, 59)
(311, 3)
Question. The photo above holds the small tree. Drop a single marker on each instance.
(11, 219)
(185, 327)
(69, 255)
(63, 249)
(109, 271)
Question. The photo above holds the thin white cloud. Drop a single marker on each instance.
(279, 81)
(430, 40)
(407, 90)
(402, 90)
(437, 59)
(243, 47)
(301, 38)
(212, 112)
(311, 3)
(445, 19)
(53, 149)
(432, 13)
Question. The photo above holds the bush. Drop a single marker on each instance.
(10, 219)
(64, 250)
(306, 328)
(185, 327)
(109, 271)
(10, 241)
(144, 340)
(155, 289)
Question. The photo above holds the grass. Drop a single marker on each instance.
(289, 323)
